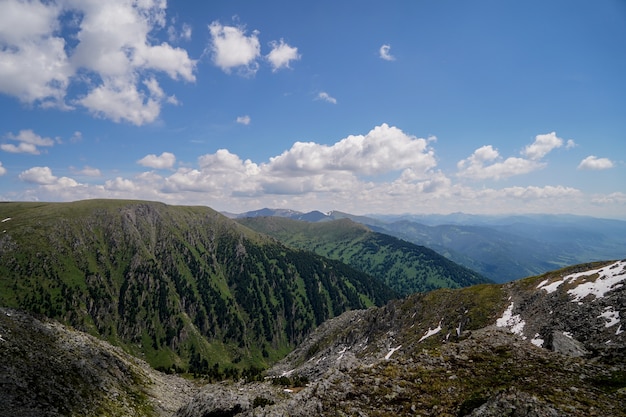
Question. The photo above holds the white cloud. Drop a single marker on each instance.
(165, 161)
(383, 149)
(326, 97)
(120, 100)
(542, 145)
(3, 170)
(486, 162)
(33, 62)
(38, 175)
(231, 48)
(120, 184)
(28, 142)
(113, 54)
(617, 198)
(77, 136)
(175, 35)
(534, 193)
(281, 55)
(384, 53)
(480, 165)
(592, 162)
(244, 120)
(87, 171)
(382, 171)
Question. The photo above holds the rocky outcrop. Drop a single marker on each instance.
(47, 369)
(517, 349)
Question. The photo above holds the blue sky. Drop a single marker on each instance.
(360, 106)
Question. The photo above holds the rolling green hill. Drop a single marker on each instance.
(405, 267)
(184, 287)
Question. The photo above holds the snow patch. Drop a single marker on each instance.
(341, 352)
(537, 340)
(611, 316)
(609, 278)
(391, 352)
(431, 332)
(512, 321)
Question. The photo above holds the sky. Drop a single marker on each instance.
(366, 107)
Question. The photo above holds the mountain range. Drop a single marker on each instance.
(500, 248)
(116, 308)
(550, 345)
(183, 287)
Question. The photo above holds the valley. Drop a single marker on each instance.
(116, 307)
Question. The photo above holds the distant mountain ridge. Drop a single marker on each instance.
(405, 267)
(501, 248)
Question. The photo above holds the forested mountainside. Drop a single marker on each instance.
(405, 267)
(184, 287)
(501, 248)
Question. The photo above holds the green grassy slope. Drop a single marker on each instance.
(405, 267)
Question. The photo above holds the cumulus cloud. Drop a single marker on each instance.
(38, 175)
(324, 96)
(481, 165)
(384, 53)
(542, 145)
(244, 120)
(381, 171)
(165, 161)
(281, 55)
(592, 162)
(27, 142)
(33, 62)
(486, 162)
(383, 149)
(120, 184)
(231, 48)
(112, 56)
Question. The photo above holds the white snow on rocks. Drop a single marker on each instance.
(391, 351)
(537, 340)
(609, 278)
(611, 316)
(431, 332)
(341, 353)
(512, 321)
